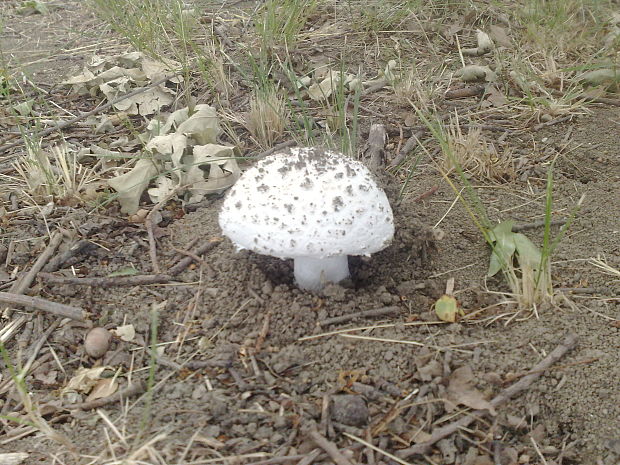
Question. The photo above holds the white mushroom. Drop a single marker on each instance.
(312, 205)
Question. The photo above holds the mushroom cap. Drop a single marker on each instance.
(307, 202)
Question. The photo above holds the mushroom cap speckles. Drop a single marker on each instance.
(307, 202)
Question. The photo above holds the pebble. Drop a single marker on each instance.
(350, 410)
(97, 342)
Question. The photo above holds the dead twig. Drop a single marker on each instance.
(426, 194)
(185, 262)
(464, 92)
(511, 378)
(63, 257)
(561, 119)
(330, 448)
(536, 224)
(61, 310)
(377, 136)
(133, 389)
(105, 281)
(275, 148)
(38, 345)
(136, 280)
(363, 314)
(567, 344)
(20, 286)
(148, 223)
(263, 333)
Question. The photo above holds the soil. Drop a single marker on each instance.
(264, 367)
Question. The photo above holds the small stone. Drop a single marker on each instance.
(350, 410)
(97, 342)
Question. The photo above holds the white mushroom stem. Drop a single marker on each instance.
(313, 273)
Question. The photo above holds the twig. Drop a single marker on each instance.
(105, 281)
(536, 224)
(187, 253)
(20, 286)
(185, 262)
(148, 223)
(377, 86)
(511, 378)
(568, 344)
(136, 280)
(263, 333)
(312, 457)
(408, 147)
(283, 459)
(552, 122)
(37, 347)
(375, 448)
(330, 448)
(60, 259)
(426, 194)
(128, 391)
(376, 147)
(83, 116)
(275, 148)
(62, 310)
(464, 92)
(363, 314)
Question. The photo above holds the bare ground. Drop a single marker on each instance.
(249, 370)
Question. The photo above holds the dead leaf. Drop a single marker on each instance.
(604, 77)
(84, 380)
(125, 332)
(332, 81)
(202, 125)
(471, 73)
(500, 36)
(461, 391)
(485, 45)
(103, 388)
(130, 185)
(13, 458)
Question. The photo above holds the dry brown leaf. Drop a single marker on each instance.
(461, 391)
(500, 36)
(103, 388)
(84, 380)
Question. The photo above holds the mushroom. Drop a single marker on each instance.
(312, 205)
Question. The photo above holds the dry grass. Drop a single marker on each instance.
(476, 156)
(56, 175)
(268, 116)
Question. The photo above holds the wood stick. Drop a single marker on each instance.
(148, 223)
(185, 262)
(464, 92)
(275, 148)
(377, 136)
(363, 314)
(60, 259)
(536, 224)
(330, 448)
(106, 281)
(136, 280)
(128, 391)
(569, 342)
(20, 286)
(58, 309)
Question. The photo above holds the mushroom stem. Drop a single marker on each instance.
(313, 273)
